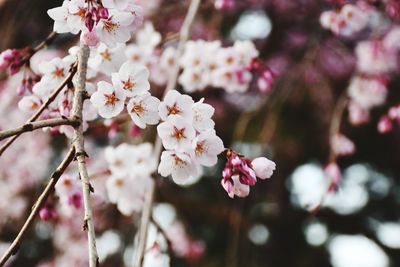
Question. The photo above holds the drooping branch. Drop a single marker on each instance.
(78, 143)
(38, 205)
(43, 107)
(173, 78)
(31, 126)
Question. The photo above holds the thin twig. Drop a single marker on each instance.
(146, 212)
(336, 121)
(43, 107)
(37, 206)
(162, 231)
(78, 143)
(31, 126)
(45, 43)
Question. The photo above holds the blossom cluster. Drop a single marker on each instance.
(349, 20)
(207, 64)
(376, 61)
(131, 167)
(188, 135)
(107, 21)
(240, 173)
(130, 85)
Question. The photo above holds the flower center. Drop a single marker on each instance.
(178, 161)
(109, 25)
(128, 85)
(137, 108)
(58, 72)
(179, 133)
(106, 55)
(173, 110)
(200, 148)
(111, 99)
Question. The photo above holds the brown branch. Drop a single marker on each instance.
(37, 206)
(148, 203)
(45, 43)
(78, 143)
(31, 126)
(43, 107)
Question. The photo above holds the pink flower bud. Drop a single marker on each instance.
(236, 161)
(75, 200)
(90, 38)
(263, 167)
(103, 13)
(227, 173)
(89, 22)
(385, 125)
(224, 4)
(47, 212)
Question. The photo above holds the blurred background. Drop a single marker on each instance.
(274, 226)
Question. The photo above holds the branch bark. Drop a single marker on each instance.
(31, 126)
(78, 143)
(148, 203)
(43, 107)
(37, 206)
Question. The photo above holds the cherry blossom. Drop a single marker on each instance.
(202, 116)
(207, 147)
(132, 79)
(179, 165)
(107, 60)
(108, 100)
(175, 103)
(143, 110)
(176, 133)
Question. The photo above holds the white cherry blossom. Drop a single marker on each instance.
(176, 104)
(60, 15)
(107, 60)
(176, 133)
(207, 147)
(179, 165)
(127, 192)
(133, 79)
(143, 110)
(202, 114)
(29, 103)
(108, 100)
(115, 29)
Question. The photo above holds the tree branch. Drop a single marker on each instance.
(43, 107)
(148, 203)
(37, 206)
(31, 126)
(78, 143)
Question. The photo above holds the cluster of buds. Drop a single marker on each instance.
(385, 124)
(240, 173)
(95, 11)
(11, 59)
